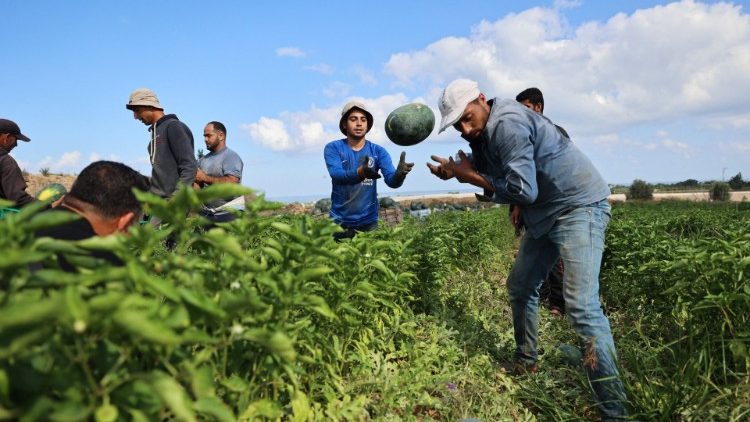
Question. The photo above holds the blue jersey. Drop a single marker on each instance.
(354, 202)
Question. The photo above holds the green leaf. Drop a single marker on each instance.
(110, 243)
(69, 412)
(216, 408)
(25, 340)
(313, 273)
(106, 302)
(234, 383)
(173, 396)
(152, 283)
(202, 382)
(201, 302)
(280, 344)
(301, 410)
(50, 219)
(261, 408)
(273, 253)
(319, 305)
(29, 313)
(15, 258)
(4, 385)
(221, 191)
(139, 325)
(55, 245)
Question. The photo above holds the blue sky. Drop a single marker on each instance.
(649, 90)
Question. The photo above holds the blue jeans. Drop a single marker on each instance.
(577, 237)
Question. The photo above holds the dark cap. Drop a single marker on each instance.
(9, 126)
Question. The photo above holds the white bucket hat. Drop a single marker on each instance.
(143, 97)
(348, 107)
(456, 96)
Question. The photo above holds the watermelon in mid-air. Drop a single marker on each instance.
(51, 192)
(410, 124)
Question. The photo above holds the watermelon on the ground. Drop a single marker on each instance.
(410, 124)
(51, 192)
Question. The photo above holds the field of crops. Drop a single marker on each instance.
(267, 318)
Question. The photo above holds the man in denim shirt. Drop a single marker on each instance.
(519, 157)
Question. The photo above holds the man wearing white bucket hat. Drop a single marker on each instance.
(171, 147)
(520, 157)
(354, 165)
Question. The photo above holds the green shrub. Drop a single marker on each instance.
(736, 182)
(640, 190)
(719, 192)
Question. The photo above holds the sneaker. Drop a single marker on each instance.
(519, 368)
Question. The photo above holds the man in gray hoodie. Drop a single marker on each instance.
(171, 148)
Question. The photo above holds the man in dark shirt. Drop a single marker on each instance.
(102, 196)
(551, 291)
(12, 183)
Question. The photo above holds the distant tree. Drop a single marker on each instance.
(44, 171)
(200, 153)
(719, 191)
(640, 190)
(689, 183)
(736, 182)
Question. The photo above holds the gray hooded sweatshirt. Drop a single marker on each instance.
(171, 151)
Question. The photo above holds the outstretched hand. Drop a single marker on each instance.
(403, 167)
(463, 170)
(443, 170)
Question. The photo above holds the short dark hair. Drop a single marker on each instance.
(533, 95)
(219, 126)
(108, 187)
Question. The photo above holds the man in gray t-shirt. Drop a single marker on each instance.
(220, 165)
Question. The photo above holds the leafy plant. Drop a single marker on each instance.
(639, 189)
(719, 192)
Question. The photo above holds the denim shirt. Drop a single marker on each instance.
(529, 162)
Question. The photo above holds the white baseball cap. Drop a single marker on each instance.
(456, 96)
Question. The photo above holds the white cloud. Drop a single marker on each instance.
(676, 60)
(680, 148)
(94, 157)
(321, 68)
(68, 162)
(735, 121)
(567, 4)
(308, 131)
(337, 89)
(365, 76)
(289, 52)
(271, 133)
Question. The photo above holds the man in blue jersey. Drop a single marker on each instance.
(520, 157)
(354, 165)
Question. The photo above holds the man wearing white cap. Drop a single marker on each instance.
(171, 147)
(520, 157)
(12, 183)
(354, 164)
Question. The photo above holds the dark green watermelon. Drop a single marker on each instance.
(410, 124)
(51, 192)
